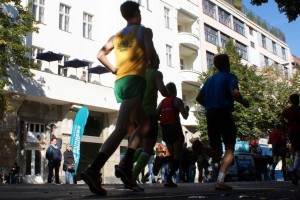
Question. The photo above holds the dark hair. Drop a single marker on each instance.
(53, 137)
(197, 146)
(221, 62)
(294, 98)
(129, 9)
(171, 87)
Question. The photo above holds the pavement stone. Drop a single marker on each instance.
(263, 190)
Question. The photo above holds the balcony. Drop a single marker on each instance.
(55, 89)
(190, 77)
(189, 6)
(189, 39)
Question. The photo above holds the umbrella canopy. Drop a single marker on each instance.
(76, 63)
(49, 56)
(98, 70)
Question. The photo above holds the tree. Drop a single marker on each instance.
(15, 23)
(291, 8)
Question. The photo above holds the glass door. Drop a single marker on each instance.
(34, 170)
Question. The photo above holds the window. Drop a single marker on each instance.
(242, 50)
(250, 30)
(274, 48)
(38, 10)
(263, 40)
(252, 44)
(286, 72)
(224, 17)
(181, 64)
(167, 17)
(211, 35)
(36, 133)
(238, 26)
(63, 70)
(209, 59)
(148, 4)
(224, 39)
(34, 52)
(87, 25)
(283, 53)
(266, 60)
(209, 9)
(64, 17)
(169, 55)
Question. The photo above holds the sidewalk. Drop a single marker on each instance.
(264, 190)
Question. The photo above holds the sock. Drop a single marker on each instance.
(99, 161)
(221, 177)
(215, 168)
(297, 164)
(174, 166)
(128, 158)
(141, 164)
(137, 154)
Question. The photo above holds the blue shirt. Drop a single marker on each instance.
(217, 90)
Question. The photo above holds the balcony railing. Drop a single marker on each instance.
(258, 20)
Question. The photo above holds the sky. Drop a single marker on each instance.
(269, 12)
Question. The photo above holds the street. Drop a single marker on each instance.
(264, 190)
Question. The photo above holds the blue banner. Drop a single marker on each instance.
(77, 132)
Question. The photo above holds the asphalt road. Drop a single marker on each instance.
(264, 190)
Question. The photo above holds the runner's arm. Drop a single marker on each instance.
(149, 46)
(103, 52)
(158, 77)
(179, 105)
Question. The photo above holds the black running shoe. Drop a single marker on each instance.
(93, 180)
(125, 173)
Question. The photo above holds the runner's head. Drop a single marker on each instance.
(221, 62)
(130, 10)
(294, 99)
(172, 89)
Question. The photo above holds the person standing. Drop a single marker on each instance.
(54, 157)
(217, 96)
(145, 178)
(13, 175)
(134, 49)
(278, 140)
(69, 165)
(290, 117)
(169, 110)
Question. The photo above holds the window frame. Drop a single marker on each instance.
(167, 17)
(87, 27)
(238, 26)
(169, 55)
(64, 17)
(224, 17)
(211, 34)
(209, 62)
(38, 10)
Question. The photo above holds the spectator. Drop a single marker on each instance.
(13, 175)
(69, 165)
(54, 157)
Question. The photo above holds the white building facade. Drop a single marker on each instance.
(186, 36)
